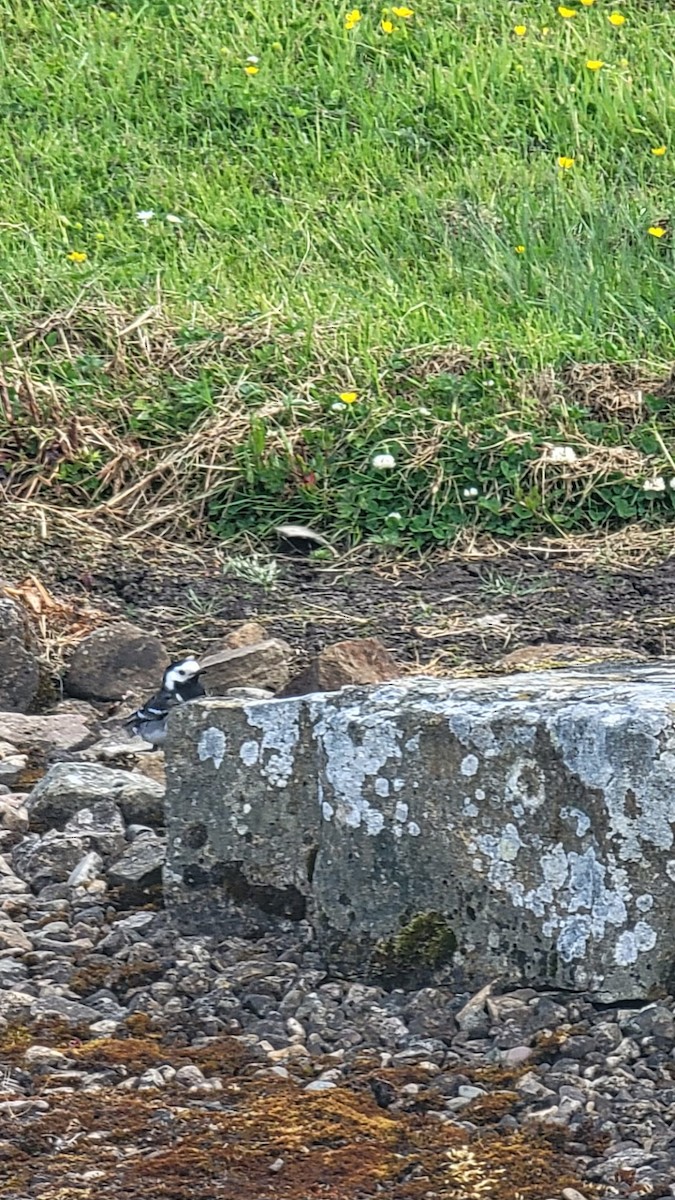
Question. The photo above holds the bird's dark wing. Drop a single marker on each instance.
(155, 708)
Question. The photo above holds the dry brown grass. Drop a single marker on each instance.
(162, 483)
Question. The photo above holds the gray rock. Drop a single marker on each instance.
(115, 660)
(63, 731)
(67, 1010)
(20, 671)
(525, 820)
(515, 1056)
(68, 787)
(263, 665)
(12, 936)
(139, 868)
(189, 1076)
(88, 869)
(13, 813)
(355, 661)
(656, 1021)
(102, 823)
(48, 859)
(16, 1003)
(12, 764)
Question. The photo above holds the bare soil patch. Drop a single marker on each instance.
(452, 613)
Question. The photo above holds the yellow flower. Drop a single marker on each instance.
(77, 256)
(387, 26)
(594, 64)
(352, 18)
(658, 151)
(657, 231)
(520, 249)
(520, 30)
(404, 13)
(617, 19)
(565, 163)
(349, 397)
(587, 3)
(251, 69)
(567, 12)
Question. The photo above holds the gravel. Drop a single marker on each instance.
(88, 959)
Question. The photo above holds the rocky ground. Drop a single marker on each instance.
(137, 1061)
(243, 1069)
(134, 1061)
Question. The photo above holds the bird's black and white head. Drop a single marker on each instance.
(177, 674)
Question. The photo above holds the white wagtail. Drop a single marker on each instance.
(180, 683)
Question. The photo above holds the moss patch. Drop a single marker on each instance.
(419, 948)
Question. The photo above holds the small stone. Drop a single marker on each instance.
(516, 1056)
(548, 655)
(277, 1165)
(114, 660)
(12, 765)
(88, 869)
(48, 859)
(45, 1056)
(320, 1085)
(355, 661)
(12, 937)
(67, 1010)
(20, 672)
(263, 665)
(68, 787)
(189, 1076)
(105, 1028)
(570, 1193)
(13, 813)
(102, 823)
(139, 868)
(152, 1078)
(63, 732)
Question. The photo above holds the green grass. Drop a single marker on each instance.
(367, 191)
(382, 182)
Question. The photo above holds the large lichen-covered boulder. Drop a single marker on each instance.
(520, 826)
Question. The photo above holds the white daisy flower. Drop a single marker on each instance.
(394, 516)
(253, 58)
(470, 493)
(383, 462)
(656, 484)
(563, 454)
(145, 215)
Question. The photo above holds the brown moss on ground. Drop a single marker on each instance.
(135, 1050)
(119, 977)
(486, 1110)
(337, 1145)
(169, 1143)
